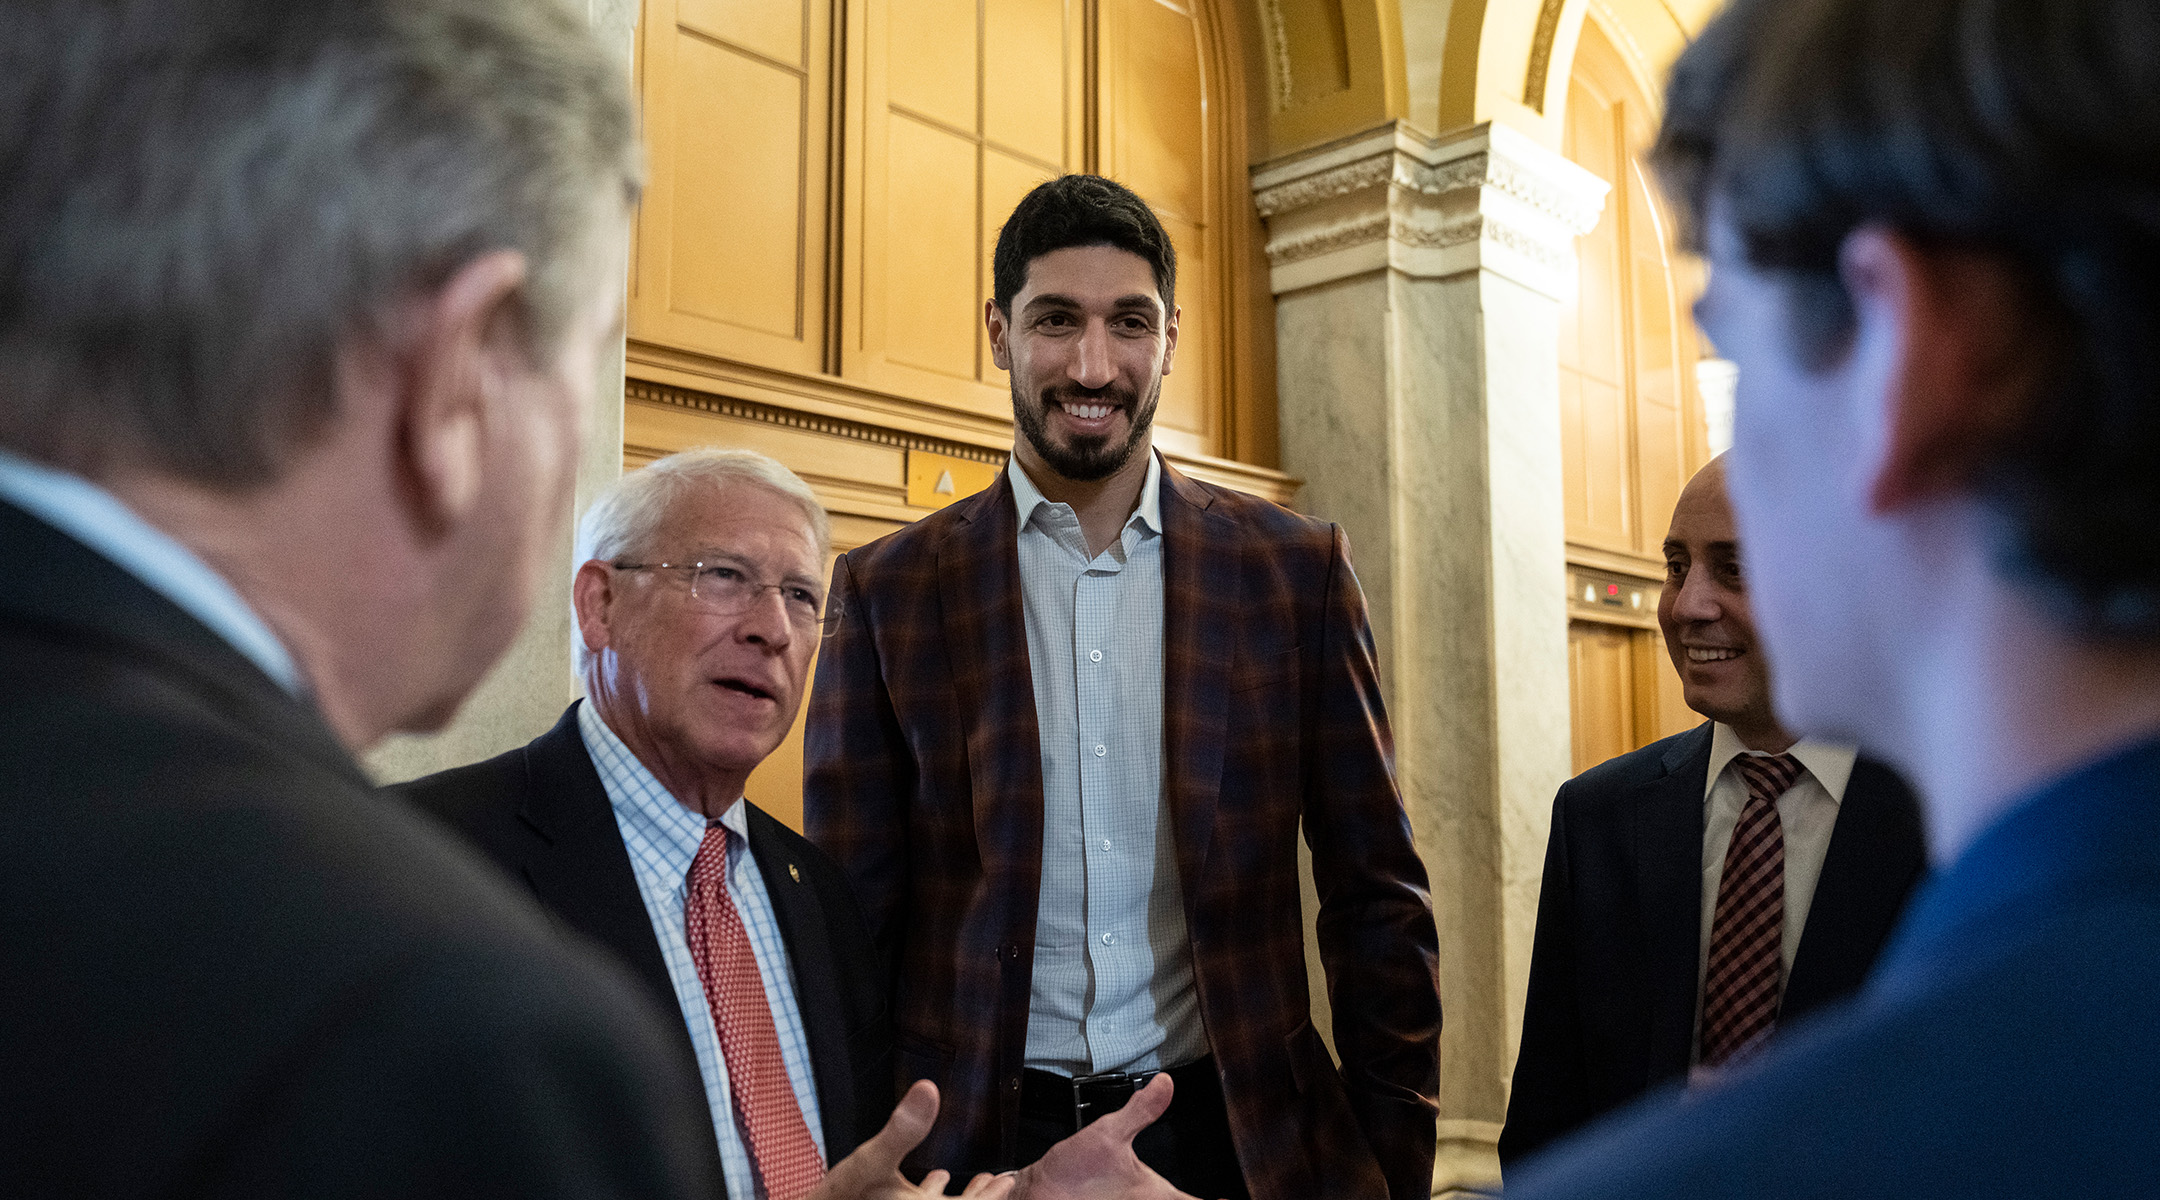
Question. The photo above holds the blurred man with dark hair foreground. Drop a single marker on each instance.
(1933, 229)
(300, 312)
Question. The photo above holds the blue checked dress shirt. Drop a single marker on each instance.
(663, 838)
(1113, 981)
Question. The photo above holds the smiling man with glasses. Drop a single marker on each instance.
(699, 605)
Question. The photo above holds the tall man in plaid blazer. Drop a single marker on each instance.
(1062, 743)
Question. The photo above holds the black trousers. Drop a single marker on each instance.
(1189, 1145)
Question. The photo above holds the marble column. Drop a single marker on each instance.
(537, 678)
(1418, 287)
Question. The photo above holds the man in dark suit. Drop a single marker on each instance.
(699, 604)
(603, 816)
(290, 398)
(1642, 854)
(1064, 737)
(1931, 229)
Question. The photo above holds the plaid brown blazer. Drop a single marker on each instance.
(924, 780)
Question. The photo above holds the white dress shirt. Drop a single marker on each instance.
(663, 839)
(1808, 812)
(96, 518)
(1113, 979)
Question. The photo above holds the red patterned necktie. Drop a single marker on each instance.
(1745, 978)
(765, 1108)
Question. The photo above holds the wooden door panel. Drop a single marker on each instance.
(931, 59)
(740, 175)
(778, 31)
(1629, 416)
(1024, 43)
(730, 239)
(1189, 390)
(1601, 691)
(930, 230)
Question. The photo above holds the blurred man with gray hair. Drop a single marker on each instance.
(300, 313)
(699, 603)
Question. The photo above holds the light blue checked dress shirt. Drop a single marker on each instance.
(1113, 980)
(96, 518)
(663, 838)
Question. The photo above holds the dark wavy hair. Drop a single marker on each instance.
(1080, 210)
(2028, 130)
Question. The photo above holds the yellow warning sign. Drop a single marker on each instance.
(935, 480)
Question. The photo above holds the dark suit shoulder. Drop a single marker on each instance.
(1637, 767)
(308, 941)
(472, 796)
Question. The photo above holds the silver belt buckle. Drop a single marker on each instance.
(1129, 1080)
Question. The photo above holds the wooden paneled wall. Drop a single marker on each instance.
(1632, 423)
(828, 181)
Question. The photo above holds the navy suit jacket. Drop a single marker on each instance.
(2007, 1045)
(541, 812)
(1614, 968)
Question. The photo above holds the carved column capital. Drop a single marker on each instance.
(1490, 198)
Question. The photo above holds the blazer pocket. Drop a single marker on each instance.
(1268, 669)
(917, 1057)
(1308, 1056)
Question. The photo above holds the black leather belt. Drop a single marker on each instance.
(1073, 1102)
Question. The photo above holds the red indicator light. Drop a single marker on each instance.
(1612, 589)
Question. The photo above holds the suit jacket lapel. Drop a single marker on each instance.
(578, 864)
(1201, 571)
(985, 626)
(817, 980)
(1668, 849)
(1877, 851)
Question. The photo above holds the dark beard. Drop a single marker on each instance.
(1088, 458)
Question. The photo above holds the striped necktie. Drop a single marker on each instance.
(1745, 979)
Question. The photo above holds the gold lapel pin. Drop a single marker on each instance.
(794, 874)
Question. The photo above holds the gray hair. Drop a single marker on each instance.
(206, 197)
(625, 519)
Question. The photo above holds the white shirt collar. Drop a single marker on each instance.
(1831, 765)
(98, 519)
(636, 793)
(1027, 497)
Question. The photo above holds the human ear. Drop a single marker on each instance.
(461, 355)
(1000, 328)
(592, 595)
(1954, 384)
(1169, 350)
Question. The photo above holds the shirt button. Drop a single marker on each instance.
(1100, 751)
(1106, 844)
(1094, 656)
(1109, 939)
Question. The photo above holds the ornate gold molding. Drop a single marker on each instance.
(750, 410)
(1541, 44)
